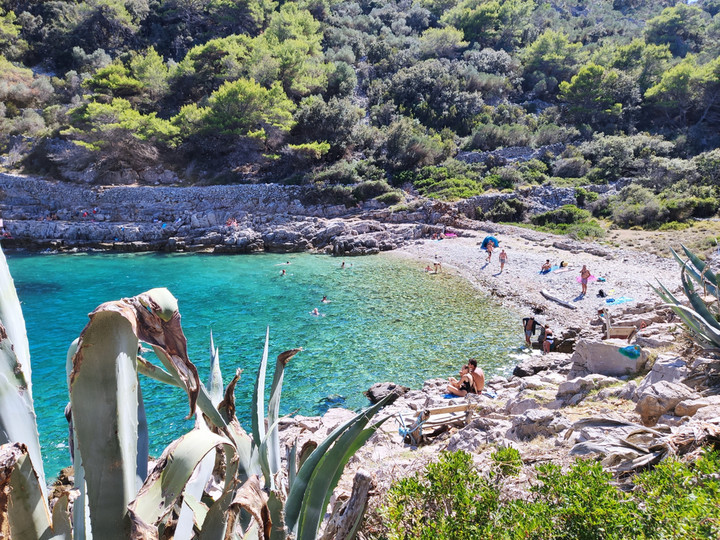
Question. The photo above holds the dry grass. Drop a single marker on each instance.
(701, 237)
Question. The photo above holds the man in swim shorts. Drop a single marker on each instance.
(490, 246)
(478, 376)
(529, 327)
(503, 259)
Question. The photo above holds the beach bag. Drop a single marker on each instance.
(601, 293)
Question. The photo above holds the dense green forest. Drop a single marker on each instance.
(384, 93)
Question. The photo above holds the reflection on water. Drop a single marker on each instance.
(386, 320)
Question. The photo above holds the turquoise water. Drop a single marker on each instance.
(387, 320)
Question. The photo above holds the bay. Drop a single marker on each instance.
(387, 320)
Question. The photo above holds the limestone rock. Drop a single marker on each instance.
(668, 368)
(661, 398)
(605, 358)
(691, 406)
(379, 390)
(537, 423)
(583, 385)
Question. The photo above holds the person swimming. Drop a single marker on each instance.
(325, 300)
(315, 312)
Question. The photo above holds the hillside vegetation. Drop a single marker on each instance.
(363, 97)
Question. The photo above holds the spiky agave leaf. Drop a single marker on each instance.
(215, 384)
(24, 514)
(166, 483)
(297, 509)
(273, 444)
(105, 399)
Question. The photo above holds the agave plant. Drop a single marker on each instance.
(215, 482)
(701, 316)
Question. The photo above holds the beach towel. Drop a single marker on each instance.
(552, 269)
(450, 235)
(616, 301)
(591, 278)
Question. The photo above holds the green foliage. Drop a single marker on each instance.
(674, 500)
(449, 500)
(113, 81)
(11, 44)
(242, 108)
(567, 215)
(507, 460)
(681, 27)
(450, 181)
(549, 60)
(599, 97)
(391, 197)
(409, 146)
(334, 121)
(370, 189)
(583, 196)
(92, 121)
(491, 23)
(507, 210)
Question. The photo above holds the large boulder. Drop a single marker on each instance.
(689, 407)
(660, 398)
(379, 390)
(610, 357)
(668, 368)
(537, 423)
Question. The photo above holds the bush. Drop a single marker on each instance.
(342, 172)
(490, 136)
(370, 189)
(508, 210)
(451, 181)
(575, 167)
(449, 499)
(391, 197)
(567, 215)
(583, 196)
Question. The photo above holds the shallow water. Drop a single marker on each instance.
(387, 320)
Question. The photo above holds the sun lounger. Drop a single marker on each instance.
(619, 332)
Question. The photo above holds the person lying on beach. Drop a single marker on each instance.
(546, 267)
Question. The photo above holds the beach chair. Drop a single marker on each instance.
(431, 422)
(619, 332)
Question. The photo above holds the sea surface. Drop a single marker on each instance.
(387, 320)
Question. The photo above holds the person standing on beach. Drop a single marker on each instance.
(584, 276)
(503, 259)
(490, 246)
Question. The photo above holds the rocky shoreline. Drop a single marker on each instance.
(595, 403)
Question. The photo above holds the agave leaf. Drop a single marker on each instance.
(17, 417)
(250, 507)
(81, 515)
(194, 490)
(143, 440)
(258, 412)
(104, 400)
(203, 401)
(215, 524)
(24, 514)
(327, 474)
(292, 465)
(273, 445)
(12, 319)
(215, 384)
(155, 372)
(296, 495)
(61, 525)
(275, 507)
(173, 470)
(692, 269)
(248, 464)
(697, 303)
(711, 280)
(705, 330)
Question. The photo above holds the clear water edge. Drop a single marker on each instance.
(386, 320)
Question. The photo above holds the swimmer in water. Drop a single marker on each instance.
(315, 312)
(282, 272)
(325, 300)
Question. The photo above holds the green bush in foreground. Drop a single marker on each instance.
(451, 499)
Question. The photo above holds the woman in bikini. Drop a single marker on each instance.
(584, 276)
(463, 386)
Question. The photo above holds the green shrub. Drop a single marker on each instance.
(370, 189)
(391, 197)
(341, 172)
(490, 136)
(450, 499)
(567, 214)
(673, 226)
(450, 181)
(507, 210)
(582, 196)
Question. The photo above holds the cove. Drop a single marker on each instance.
(387, 320)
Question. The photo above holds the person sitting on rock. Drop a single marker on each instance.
(477, 374)
(464, 386)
